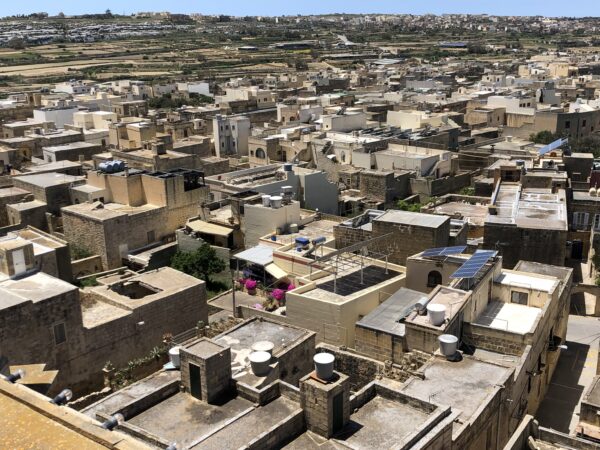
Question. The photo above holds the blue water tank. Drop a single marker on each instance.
(302, 241)
(319, 240)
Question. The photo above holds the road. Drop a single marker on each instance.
(574, 373)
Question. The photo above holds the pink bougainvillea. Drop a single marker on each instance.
(291, 287)
(278, 294)
(251, 284)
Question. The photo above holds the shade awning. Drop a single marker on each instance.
(275, 271)
(201, 226)
(260, 255)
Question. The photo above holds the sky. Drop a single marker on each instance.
(283, 7)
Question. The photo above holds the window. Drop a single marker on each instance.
(150, 236)
(568, 124)
(260, 153)
(580, 220)
(584, 123)
(60, 334)
(434, 279)
(519, 297)
(597, 222)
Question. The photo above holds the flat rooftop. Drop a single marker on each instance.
(146, 287)
(108, 210)
(412, 218)
(31, 428)
(118, 399)
(12, 191)
(36, 287)
(464, 385)
(71, 146)
(49, 179)
(474, 214)
(528, 281)
(452, 299)
(381, 423)
(385, 317)
(241, 338)
(511, 317)
(529, 208)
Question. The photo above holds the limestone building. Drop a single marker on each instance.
(117, 213)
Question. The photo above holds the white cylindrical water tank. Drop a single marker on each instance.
(593, 192)
(436, 314)
(324, 365)
(448, 344)
(259, 363)
(276, 201)
(263, 346)
(266, 200)
(174, 357)
(294, 228)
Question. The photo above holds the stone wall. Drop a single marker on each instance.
(379, 345)
(347, 236)
(408, 240)
(86, 266)
(526, 244)
(360, 370)
(493, 340)
(436, 187)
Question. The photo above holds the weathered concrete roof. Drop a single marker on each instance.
(48, 179)
(385, 317)
(465, 385)
(511, 317)
(412, 218)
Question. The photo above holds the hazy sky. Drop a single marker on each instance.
(280, 7)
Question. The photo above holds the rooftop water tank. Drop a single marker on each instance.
(259, 363)
(276, 201)
(436, 314)
(302, 241)
(319, 240)
(448, 345)
(593, 192)
(174, 357)
(266, 200)
(294, 228)
(324, 365)
(263, 346)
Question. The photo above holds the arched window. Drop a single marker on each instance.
(260, 153)
(434, 278)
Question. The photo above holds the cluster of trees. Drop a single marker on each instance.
(201, 263)
(166, 101)
(588, 144)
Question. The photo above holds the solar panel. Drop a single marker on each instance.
(553, 146)
(474, 264)
(444, 251)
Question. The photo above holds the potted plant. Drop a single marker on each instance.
(251, 286)
(278, 295)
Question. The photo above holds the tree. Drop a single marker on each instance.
(201, 263)
(405, 206)
(543, 137)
